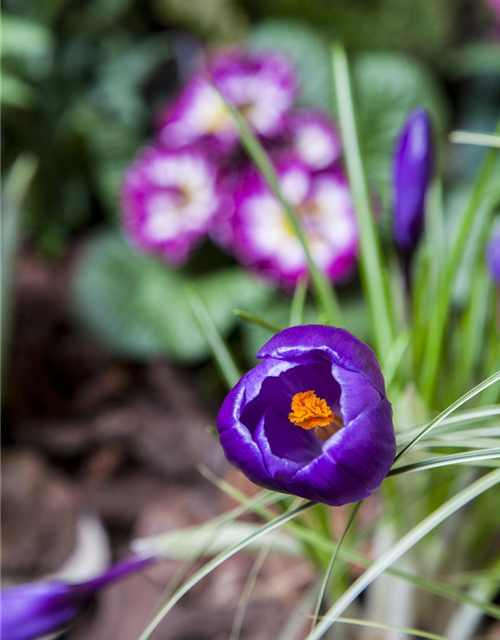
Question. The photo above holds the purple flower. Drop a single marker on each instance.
(314, 138)
(261, 85)
(493, 254)
(412, 172)
(169, 200)
(312, 418)
(264, 239)
(33, 610)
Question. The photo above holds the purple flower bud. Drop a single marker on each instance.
(314, 138)
(312, 419)
(264, 239)
(412, 172)
(261, 85)
(169, 200)
(33, 610)
(493, 255)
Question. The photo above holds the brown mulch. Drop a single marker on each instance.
(85, 432)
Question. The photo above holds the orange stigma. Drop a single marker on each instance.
(309, 411)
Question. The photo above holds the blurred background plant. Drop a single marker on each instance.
(83, 87)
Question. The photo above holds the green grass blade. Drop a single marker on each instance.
(260, 322)
(472, 137)
(370, 253)
(435, 339)
(298, 302)
(331, 564)
(221, 353)
(216, 562)
(446, 461)
(16, 187)
(324, 292)
(417, 633)
(453, 407)
(429, 585)
(403, 545)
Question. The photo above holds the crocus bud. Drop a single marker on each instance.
(33, 610)
(412, 172)
(493, 255)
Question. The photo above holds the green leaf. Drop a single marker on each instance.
(309, 51)
(404, 544)
(25, 39)
(137, 305)
(387, 87)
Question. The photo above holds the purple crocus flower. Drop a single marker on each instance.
(312, 418)
(264, 239)
(314, 138)
(412, 172)
(169, 200)
(261, 85)
(493, 255)
(33, 610)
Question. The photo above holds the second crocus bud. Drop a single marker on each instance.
(412, 173)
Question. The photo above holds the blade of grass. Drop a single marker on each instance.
(370, 254)
(220, 351)
(298, 301)
(324, 292)
(428, 585)
(16, 188)
(417, 633)
(472, 137)
(437, 326)
(260, 322)
(250, 584)
(453, 407)
(445, 461)
(216, 562)
(403, 545)
(331, 564)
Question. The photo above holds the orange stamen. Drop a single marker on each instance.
(309, 411)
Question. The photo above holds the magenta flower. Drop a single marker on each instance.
(314, 138)
(493, 255)
(33, 610)
(312, 418)
(412, 173)
(264, 239)
(261, 85)
(169, 200)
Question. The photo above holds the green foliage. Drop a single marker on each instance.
(138, 306)
(387, 87)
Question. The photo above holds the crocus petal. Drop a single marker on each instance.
(493, 254)
(261, 441)
(412, 172)
(33, 610)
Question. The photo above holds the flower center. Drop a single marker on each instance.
(310, 412)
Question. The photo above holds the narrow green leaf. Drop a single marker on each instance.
(260, 322)
(220, 350)
(217, 561)
(418, 633)
(331, 564)
(445, 461)
(370, 253)
(472, 137)
(453, 407)
(298, 302)
(435, 338)
(16, 188)
(324, 292)
(403, 545)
